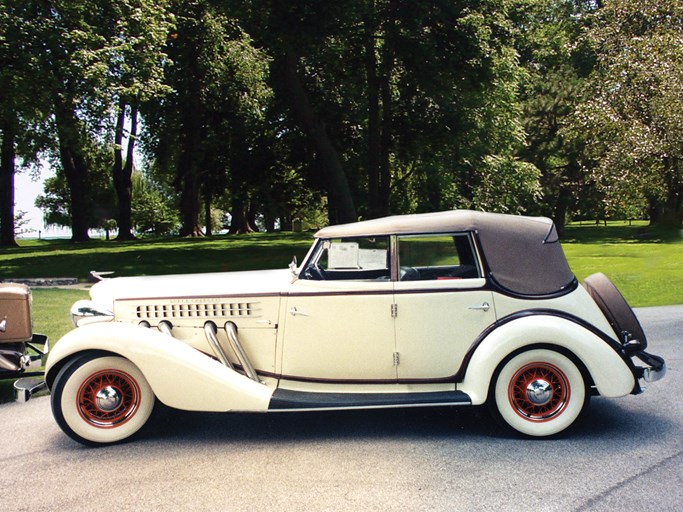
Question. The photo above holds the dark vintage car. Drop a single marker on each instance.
(455, 308)
(21, 351)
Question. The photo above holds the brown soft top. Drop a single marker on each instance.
(523, 254)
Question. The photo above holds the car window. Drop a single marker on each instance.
(437, 257)
(350, 258)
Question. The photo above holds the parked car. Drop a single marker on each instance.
(456, 308)
(21, 351)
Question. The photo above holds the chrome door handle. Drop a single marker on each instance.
(294, 312)
(484, 307)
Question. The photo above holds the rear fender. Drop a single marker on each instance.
(180, 376)
(611, 375)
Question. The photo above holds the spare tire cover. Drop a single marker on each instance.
(615, 308)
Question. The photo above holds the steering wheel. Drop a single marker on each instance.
(408, 274)
(314, 273)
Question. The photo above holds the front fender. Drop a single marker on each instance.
(610, 373)
(181, 376)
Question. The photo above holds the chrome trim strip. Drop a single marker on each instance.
(368, 407)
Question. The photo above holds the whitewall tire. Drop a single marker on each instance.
(101, 399)
(539, 392)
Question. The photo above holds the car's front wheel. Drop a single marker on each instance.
(538, 392)
(101, 399)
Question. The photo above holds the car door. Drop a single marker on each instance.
(338, 324)
(442, 304)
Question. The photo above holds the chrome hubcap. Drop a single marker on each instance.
(539, 391)
(108, 399)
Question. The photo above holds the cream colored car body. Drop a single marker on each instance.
(181, 369)
(359, 327)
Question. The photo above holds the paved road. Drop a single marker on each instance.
(626, 455)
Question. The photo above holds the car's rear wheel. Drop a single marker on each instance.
(101, 399)
(538, 392)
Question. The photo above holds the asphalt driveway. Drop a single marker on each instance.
(626, 454)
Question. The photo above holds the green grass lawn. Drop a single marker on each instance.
(645, 264)
(60, 258)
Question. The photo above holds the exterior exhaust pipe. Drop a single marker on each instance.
(231, 331)
(210, 330)
(166, 327)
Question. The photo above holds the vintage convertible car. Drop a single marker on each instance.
(454, 308)
(21, 351)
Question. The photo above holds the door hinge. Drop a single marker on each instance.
(396, 359)
(394, 310)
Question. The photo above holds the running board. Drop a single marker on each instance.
(287, 400)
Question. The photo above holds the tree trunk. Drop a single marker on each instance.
(252, 215)
(123, 171)
(670, 211)
(76, 171)
(190, 205)
(7, 171)
(239, 224)
(373, 129)
(387, 121)
(560, 210)
(189, 164)
(337, 184)
(208, 222)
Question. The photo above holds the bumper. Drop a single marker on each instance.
(655, 368)
(17, 358)
(21, 363)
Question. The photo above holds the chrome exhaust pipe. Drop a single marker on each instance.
(231, 331)
(166, 327)
(210, 330)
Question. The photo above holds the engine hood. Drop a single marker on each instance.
(256, 282)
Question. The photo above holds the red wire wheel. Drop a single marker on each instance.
(108, 398)
(99, 398)
(539, 391)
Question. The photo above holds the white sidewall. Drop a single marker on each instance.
(69, 401)
(556, 424)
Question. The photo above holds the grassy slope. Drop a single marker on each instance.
(59, 258)
(646, 264)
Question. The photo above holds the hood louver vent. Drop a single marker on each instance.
(211, 310)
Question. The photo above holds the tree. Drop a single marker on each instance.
(218, 82)
(22, 107)
(85, 57)
(152, 207)
(7, 169)
(401, 102)
(56, 202)
(293, 33)
(557, 63)
(141, 29)
(635, 111)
